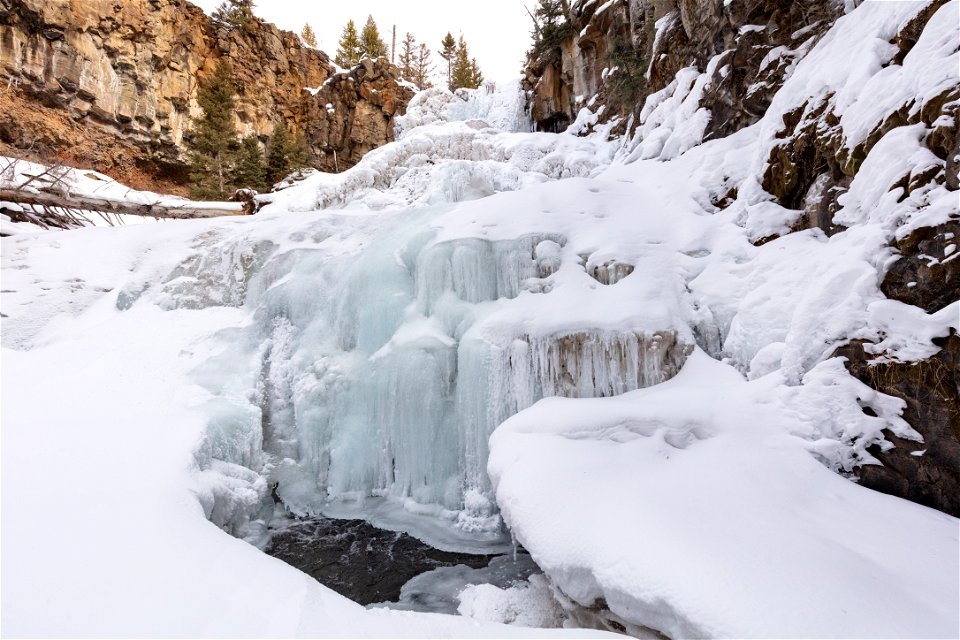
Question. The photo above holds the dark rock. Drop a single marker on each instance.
(931, 390)
(359, 561)
(694, 31)
(364, 102)
(921, 276)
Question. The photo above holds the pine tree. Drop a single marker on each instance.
(551, 26)
(448, 51)
(348, 51)
(286, 154)
(371, 44)
(476, 76)
(308, 36)
(549, 12)
(299, 153)
(466, 71)
(214, 141)
(278, 155)
(408, 57)
(423, 68)
(235, 14)
(250, 172)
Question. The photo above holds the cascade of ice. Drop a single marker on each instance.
(384, 352)
(499, 105)
(383, 375)
(512, 374)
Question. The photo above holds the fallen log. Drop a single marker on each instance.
(161, 209)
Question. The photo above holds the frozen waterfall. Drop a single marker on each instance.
(385, 346)
(384, 374)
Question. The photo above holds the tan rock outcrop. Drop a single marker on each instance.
(114, 84)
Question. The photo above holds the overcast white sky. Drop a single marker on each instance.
(496, 31)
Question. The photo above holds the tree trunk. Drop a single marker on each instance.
(169, 209)
(220, 172)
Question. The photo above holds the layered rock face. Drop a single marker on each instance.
(114, 84)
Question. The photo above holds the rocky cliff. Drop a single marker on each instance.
(624, 50)
(353, 111)
(113, 85)
(723, 62)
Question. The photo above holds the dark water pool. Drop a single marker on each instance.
(360, 561)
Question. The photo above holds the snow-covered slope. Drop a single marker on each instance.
(669, 430)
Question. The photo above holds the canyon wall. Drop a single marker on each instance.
(727, 59)
(113, 86)
(621, 51)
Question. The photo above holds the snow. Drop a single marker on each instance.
(672, 120)
(479, 326)
(898, 154)
(452, 148)
(511, 590)
(525, 605)
(865, 89)
(606, 5)
(706, 519)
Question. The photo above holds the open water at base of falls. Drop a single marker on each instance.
(370, 565)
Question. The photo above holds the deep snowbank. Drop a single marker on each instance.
(708, 519)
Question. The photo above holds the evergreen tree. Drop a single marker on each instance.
(448, 51)
(549, 12)
(308, 36)
(370, 42)
(286, 154)
(235, 14)
(423, 68)
(278, 155)
(348, 51)
(466, 71)
(213, 144)
(250, 172)
(299, 153)
(551, 26)
(408, 57)
(476, 76)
